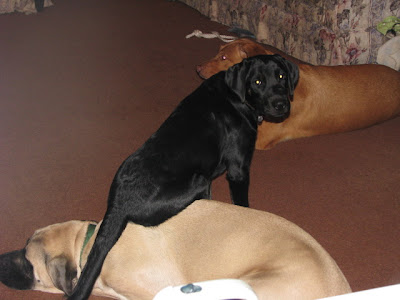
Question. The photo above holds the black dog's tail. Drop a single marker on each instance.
(109, 232)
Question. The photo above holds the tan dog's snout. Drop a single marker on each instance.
(16, 271)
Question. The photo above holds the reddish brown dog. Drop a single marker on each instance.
(326, 100)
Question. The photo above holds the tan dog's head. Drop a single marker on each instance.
(229, 55)
(49, 262)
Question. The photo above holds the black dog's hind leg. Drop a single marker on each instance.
(239, 189)
(110, 230)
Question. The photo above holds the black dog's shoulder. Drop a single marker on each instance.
(194, 138)
(211, 95)
(208, 112)
(212, 101)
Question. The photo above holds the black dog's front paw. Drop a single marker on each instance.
(239, 192)
(74, 296)
(244, 203)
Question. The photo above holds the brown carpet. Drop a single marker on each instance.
(84, 83)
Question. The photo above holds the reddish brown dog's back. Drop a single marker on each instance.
(326, 99)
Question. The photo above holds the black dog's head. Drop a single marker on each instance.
(265, 83)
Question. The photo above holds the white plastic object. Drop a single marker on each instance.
(221, 289)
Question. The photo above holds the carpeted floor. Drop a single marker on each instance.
(84, 83)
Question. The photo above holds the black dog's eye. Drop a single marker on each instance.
(258, 82)
(281, 76)
(223, 57)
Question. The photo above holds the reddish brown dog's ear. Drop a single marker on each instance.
(242, 52)
(16, 271)
(252, 49)
(63, 273)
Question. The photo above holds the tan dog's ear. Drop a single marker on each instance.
(62, 273)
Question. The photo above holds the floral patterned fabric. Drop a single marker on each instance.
(23, 6)
(322, 32)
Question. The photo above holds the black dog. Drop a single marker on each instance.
(213, 130)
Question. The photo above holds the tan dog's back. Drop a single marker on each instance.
(326, 100)
(211, 240)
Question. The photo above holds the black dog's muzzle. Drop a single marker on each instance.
(278, 110)
(281, 106)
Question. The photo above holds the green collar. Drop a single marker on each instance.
(89, 233)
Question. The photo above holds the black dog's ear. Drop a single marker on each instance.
(62, 273)
(292, 71)
(16, 271)
(235, 78)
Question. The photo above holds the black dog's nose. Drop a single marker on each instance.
(280, 105)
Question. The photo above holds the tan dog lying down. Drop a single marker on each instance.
(326, 99)
(208, 240)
